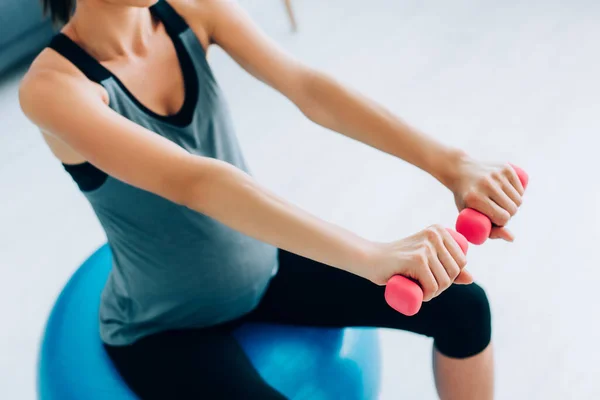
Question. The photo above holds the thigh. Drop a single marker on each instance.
(191, 364)
(306, 292)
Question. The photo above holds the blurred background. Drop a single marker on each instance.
(505, 80)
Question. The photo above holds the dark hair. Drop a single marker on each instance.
(60, 10)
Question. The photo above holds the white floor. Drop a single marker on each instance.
(506, 80)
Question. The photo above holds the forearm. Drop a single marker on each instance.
(340, 109)
(236, 200)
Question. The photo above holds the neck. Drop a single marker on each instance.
(110, 30)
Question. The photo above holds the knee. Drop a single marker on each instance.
(465, 327)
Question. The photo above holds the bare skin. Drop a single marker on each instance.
(122, 35)
(471, 378)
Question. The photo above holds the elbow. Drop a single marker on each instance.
(311, 98)
(187, 189)
(303, 91)
(199, 188)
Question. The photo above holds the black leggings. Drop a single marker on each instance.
(203, 363)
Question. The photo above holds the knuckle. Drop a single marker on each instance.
(453, 273)
(434, 234)
(431, 232)
(444, 284)
(471, 197)
(431, 289)
(428, 249)
(461, 261)
(437, 227)
(418, 258)
(488, 182)
(518, 201)
(503, 218)
(507, 170)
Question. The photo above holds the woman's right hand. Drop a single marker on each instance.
(431, 257)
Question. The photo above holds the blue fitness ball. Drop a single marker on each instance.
(300, 362)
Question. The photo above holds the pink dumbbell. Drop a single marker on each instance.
(475, 226)
(405, 295)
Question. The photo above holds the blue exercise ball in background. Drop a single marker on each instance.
(301, 362)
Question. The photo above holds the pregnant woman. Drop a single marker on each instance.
(127, 102)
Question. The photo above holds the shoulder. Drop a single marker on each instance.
(49, 78)
(204, 14)
(49, 75)
(195, 6)
(49, 65)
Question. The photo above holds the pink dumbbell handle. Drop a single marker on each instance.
(475, 226)
(405, 295)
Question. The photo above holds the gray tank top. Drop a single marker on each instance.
(173, 268)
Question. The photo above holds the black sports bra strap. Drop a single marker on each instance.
(79, 57)
(173, 22)
(90, 66)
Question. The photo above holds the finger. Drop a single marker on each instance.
(505, 202)
(428, 283)
(448, 252)
(464, 278)
(495, 192)
(500, 232)
(439, 272)
(494, 212)
(509, 172)
(449, 264)
(454, 250)
(511, 192)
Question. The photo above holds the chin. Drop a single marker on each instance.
(134, 3)
(141, 3)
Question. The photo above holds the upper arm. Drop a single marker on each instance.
(234, 31)
(63, 106)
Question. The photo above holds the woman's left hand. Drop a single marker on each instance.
(492, 189)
